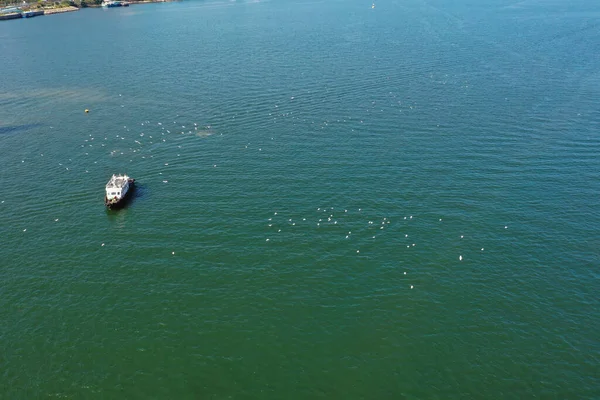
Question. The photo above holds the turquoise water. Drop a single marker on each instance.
(333, 201)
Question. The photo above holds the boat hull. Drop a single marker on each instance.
(114, 204)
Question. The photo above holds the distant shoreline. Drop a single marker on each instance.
(16, 12)
(133, 2)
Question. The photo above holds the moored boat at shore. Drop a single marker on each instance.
(118, 189)
(114, 3)
(32, 13)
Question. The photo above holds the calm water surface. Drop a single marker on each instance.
(333, 201)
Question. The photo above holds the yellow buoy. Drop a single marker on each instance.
(87, 111)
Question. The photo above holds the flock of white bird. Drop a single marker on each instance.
(144, 140)
(329, 217)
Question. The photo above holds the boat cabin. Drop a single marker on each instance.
(117, 187)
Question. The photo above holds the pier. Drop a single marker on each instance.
(10, 16)
(60, 10)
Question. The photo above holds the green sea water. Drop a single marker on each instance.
(335, 199)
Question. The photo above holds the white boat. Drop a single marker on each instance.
(117, 190)
(114, 3)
